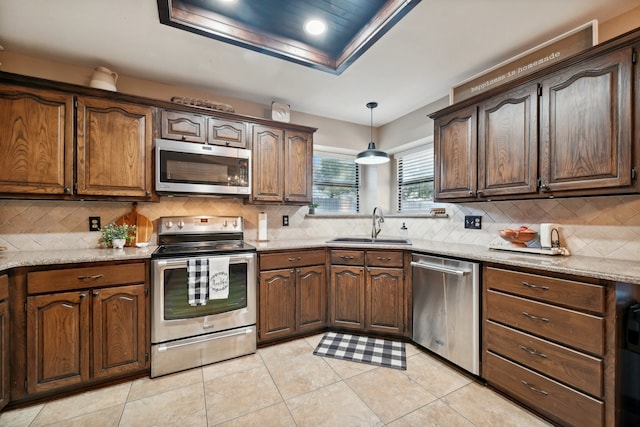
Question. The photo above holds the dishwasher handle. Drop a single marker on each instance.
(439, 268)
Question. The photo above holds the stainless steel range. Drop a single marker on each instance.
(203, 293)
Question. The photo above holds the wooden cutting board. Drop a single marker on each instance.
(144, 226)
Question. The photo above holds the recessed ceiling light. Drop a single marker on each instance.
(315, 27)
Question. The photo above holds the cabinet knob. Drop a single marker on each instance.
(147, 193)
(479, 193)
(544, 187)
(470, 192)
(82, 296)
(184, 138)
(96, 293)
(67, 190)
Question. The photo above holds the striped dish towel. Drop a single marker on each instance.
(198, 278)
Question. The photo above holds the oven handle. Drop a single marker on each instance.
(201, 339)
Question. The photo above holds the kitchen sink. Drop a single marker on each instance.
(370, 240)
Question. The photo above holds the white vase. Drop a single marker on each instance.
(118, 243)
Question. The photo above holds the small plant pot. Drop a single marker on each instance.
(118, 243)
(312, 211)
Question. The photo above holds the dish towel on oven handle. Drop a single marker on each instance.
(219, 277)
(198, 280)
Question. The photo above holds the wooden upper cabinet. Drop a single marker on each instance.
(508, 143)
(183, 126)
(455, 144)
(203, 129)
(268, 163)
(586, 125)
(230, 133)
(114, 148)
(36, 141)
(298, 167)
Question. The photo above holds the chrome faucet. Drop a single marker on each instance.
(376, 230)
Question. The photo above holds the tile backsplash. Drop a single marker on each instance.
(607, 226)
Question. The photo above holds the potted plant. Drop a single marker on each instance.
(312, 208)
(117, 235)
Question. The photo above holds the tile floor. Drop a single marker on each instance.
(286, 385)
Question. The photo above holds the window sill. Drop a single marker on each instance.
(360, 215)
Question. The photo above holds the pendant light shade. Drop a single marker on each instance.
(372, 156)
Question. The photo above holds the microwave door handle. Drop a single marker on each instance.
(198, 340)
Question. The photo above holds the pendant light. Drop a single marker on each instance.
(371, 156)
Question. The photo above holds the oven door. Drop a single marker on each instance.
(173, 317)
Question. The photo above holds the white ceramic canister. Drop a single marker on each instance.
(104, 78)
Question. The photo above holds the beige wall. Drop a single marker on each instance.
(619, 25)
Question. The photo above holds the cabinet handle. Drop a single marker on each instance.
(347, 257)
(531, 316)
(94, 277)
(532, 286)
(380, 258)
(533, 352)
(534, 389)
(294, 259)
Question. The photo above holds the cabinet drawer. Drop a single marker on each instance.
(347, 257)
(291, 259)
(569, 293)
(553, 399)
(84, 277)
(4, 286)
(568, 366)
(577, 330)
(384, 259)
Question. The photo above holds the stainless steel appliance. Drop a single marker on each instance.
(185, 167)
(184, 336)
(446, 308)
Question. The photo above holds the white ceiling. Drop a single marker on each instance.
(438, 44)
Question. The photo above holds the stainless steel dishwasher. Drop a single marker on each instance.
(446, 308)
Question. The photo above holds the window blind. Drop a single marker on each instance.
(415, 172)
(335, 185)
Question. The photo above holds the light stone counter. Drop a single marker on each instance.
(600, 268)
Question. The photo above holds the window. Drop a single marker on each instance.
(415, 178)
(335, 184)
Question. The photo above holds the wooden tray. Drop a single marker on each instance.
(144, 226)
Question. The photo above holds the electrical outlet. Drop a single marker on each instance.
(473, 221)
(94, 223)
(285, 220)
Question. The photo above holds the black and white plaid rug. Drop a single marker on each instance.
(375, 351)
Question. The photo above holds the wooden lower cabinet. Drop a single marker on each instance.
(292, 300)
(4, 341)
(77, 337)
(368, 294)
(546, 342)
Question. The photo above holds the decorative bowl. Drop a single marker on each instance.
(518, 237)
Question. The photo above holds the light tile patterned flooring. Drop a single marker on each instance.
(286, 385)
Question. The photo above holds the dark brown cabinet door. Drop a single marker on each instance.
(277, 303)
(298, 167)
(182, 126)
(268, 162)
(347, 292)
(114, 149)
(508, 143)
(311, 298)
(36, 141)
(57, 340)
(455, 145)
(385, 300)
(230, 133)
(585, 126)
(5, 386)
(119, 325)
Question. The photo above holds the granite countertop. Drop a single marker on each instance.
(599, 268)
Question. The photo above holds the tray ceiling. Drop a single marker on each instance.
(276, 27)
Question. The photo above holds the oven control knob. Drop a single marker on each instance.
(168, 224)
(235, 224)
(225, 223)
(180, 224)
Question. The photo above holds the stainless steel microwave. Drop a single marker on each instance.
(199, 169)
